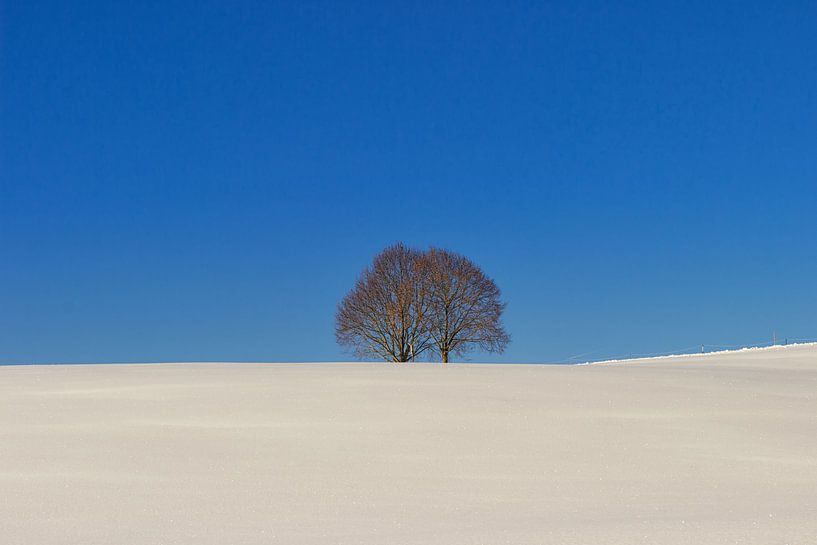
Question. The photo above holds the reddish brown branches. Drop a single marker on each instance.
(410, 303)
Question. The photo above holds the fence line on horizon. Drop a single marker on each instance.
(702, 348)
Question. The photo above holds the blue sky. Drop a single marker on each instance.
(198, 181)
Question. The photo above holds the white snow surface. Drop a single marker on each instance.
(705, 449)
(697, 354)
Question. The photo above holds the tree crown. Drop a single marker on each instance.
(409, 303)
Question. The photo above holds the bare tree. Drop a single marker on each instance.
(385, 314)
(409, 303)
(465, 306)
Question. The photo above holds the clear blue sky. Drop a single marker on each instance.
(188, 181)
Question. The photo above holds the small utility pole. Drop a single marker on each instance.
(774, 338)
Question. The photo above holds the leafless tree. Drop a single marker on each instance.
(464, 305)
(409, 303)
(385, 313)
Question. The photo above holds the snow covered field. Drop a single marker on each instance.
(695, 450)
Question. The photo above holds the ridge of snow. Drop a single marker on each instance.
(702, 354)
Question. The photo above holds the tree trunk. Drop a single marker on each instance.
(444, 354)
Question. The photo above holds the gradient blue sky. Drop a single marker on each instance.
(204, 181)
